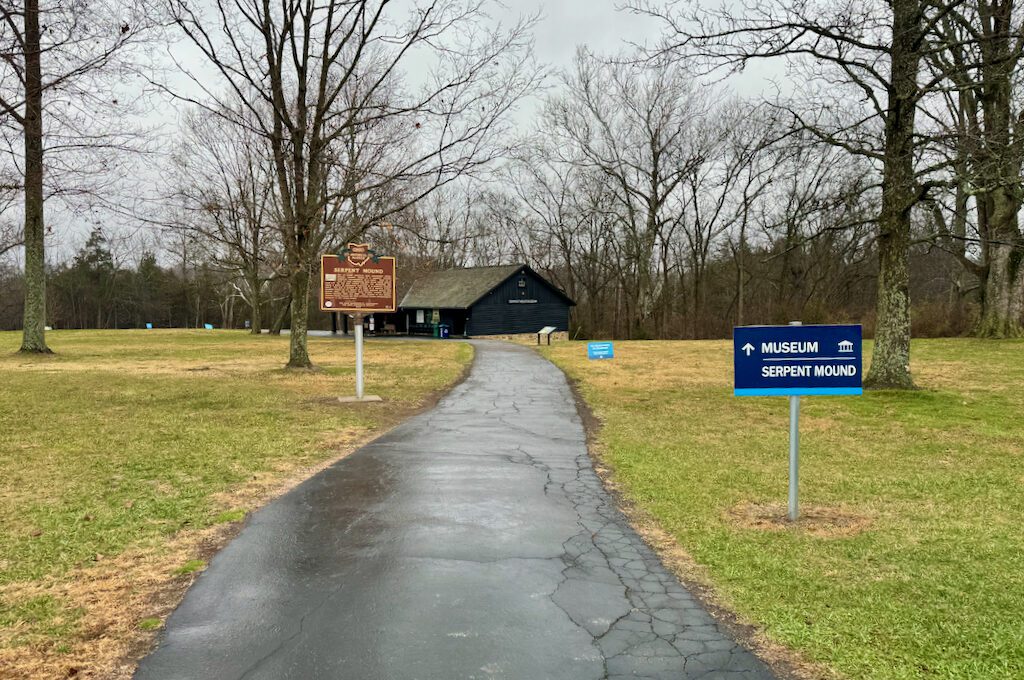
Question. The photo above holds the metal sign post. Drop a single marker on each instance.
(794, 451)
(358, 318)
(795, 360)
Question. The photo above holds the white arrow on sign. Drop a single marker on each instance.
(748, 348)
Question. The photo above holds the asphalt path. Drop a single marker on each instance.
(473, 541)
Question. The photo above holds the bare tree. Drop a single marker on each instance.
(312, 71)
(816, 221)
(869, 58)
(718, 193)
(10, 189)
(10, 230)
(225, 183)
(572, 220)
(978, 51)
(753, 149)
(549, 192)
(10, 237)
(54, 57)
(635, 125)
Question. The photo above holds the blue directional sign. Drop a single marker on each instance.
(600, 350)
(797, 360)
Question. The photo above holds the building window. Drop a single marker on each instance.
(419, 316)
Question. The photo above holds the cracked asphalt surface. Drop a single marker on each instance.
(473, 541)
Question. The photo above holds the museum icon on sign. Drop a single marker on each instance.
(846, 346)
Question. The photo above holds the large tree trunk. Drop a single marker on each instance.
(255, 319)
(298, 356)
(1004, 264)
(34, 320)
(282, 317)
(1017, 299)
(1000, 312)
(999, 164)
(256, 306)
(890, 361)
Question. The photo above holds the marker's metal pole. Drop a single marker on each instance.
(794, 457)
(794, 452)
(358, 318)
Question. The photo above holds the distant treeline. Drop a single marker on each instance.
(818, 281)
(92, 291)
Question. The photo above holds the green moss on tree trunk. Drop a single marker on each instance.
(1000, 313)
(890, 360)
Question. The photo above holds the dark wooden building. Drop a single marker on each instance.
(500, 300)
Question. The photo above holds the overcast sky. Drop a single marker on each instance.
(564, 25)
(595, 23)
(605, 30)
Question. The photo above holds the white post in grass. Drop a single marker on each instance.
(359, 355)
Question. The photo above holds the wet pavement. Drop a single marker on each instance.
(473, 541)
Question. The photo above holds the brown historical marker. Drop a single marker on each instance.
(357, 282)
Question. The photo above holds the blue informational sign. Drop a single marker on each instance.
(149, 326)
(600, 350)
(208, 326)
(797, 360)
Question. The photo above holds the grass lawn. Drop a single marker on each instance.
(127, 456)
(915, 565)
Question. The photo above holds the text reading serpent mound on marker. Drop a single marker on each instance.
(824, 371)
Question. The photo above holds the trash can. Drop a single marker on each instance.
(437, 331)
(444, 330)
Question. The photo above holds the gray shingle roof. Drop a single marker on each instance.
(456, 288)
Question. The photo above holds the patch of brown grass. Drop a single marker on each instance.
(118, 593)
(103, 602)
(707, 363)
(816, 520)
